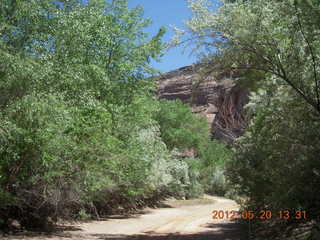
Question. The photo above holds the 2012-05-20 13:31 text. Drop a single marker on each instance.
(262, 214)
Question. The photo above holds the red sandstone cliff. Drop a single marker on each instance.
(218, 99)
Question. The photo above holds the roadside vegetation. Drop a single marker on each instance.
(275, 47)
(81, 132)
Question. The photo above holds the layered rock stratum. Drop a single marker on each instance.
(217, 98)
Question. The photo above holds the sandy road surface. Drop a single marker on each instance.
(170, 223)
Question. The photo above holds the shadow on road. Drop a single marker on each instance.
(222, 231)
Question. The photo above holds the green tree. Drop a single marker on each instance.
(274, 46)
(276, 38)
(279, 154)
(97, 48)
(74, 104)
(179, 127)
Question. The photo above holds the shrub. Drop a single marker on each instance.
(179, 127)
(214, 157)
(276, 165)
(73, 107)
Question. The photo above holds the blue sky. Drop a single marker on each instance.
(166, 13)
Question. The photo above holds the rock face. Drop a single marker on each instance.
(219, 100)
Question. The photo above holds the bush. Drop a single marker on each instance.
(68, 161)
(276, 165)
(195, 188)
(214, 157)
(73, 109)
(179, 127)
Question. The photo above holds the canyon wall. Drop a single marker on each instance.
(218, 99)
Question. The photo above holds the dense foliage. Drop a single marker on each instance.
(180, 127)
(275, 47)
(73, 107)
(182, 130)
(81, 132)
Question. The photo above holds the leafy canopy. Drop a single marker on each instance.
(273, 39)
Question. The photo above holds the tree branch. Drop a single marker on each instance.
(312, 56)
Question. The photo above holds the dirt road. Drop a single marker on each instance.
(172, 222)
